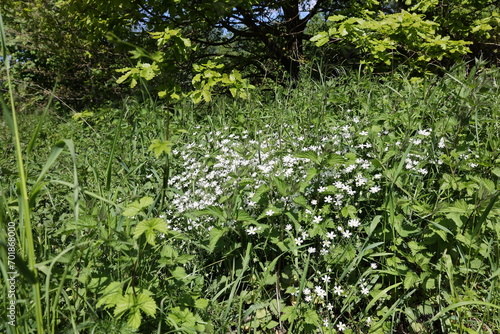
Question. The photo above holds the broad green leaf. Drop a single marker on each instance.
(148, 227)
(146, 303)
(410, 279)
(112, 295)
(201, 303)
(158, 147)
(137, 206)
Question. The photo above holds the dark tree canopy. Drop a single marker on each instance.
(69, 40)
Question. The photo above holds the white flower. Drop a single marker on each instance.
(328, 199)
(288, 227)
(252, 230)
(354, 223)
(374, 265)
(307, 291)
(416, 141)
(364, 290)
(298, 241)
(325, 322)
(269, 212)
(331, 235)
(341, 326)
(346, 234)
(314, 202)
(338, 290)
(425, 132)
(375, 189)
(322, 189)
(317, 219)
(311, 250)
(363, 133)
(441, 143)
(308, 298)
(326, 279)
(320, 292)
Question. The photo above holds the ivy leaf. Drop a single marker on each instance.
(148, 227)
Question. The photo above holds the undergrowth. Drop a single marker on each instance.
(350, 204)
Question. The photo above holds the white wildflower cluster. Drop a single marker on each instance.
(332, 173)
(210, 168)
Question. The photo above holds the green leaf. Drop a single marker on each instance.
(112, 295)
(214, 235)
(135, 318)
(179, 273)
(349, 211)
(146, 303)
(201, 303)
(261, 190)
(148, 227)
(245, 217)
(410, 279)
(137, 206)
(311, 317)
(158, 147)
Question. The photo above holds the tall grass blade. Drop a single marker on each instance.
(27, 242)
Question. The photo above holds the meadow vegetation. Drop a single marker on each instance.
(347, 204)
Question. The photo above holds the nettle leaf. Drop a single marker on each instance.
(135, 302)
(146, 303)
(201, 303)
(137, 206)
(245, 217)
(135, 319)
(214, 235)
(180, 273)
(124, 304)
(183, 317)
(311, 317)
(148, 228)
(261, 190)
(214, 211)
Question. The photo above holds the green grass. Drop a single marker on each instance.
(354, 204)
